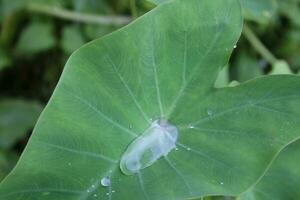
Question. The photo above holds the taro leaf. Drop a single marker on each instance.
(164, 64)
(16, 118)
(157, 2)
(282, 181)
(260, 11)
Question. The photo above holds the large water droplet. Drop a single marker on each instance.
(157, 141)
(105, 181)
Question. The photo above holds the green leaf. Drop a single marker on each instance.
(5, 60)
(72, 39)
(157, 2)
(282, 180)
(7, 162)
(246, 67)
(290, 9)
(223, 78)
(281, 67)
(163, 65)
(36, 37)
(260, 11)
(16, 118)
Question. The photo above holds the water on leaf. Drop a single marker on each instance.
(105, 181)
(157, 141)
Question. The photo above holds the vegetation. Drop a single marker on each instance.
(239, 141)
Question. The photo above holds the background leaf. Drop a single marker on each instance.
(71, 39)
(260, 11)
(43, 38)
(16, 118)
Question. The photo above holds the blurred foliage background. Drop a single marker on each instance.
(38, 36)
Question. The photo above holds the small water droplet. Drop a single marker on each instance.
(88, 191)
(176, 149)
(235, 46)
(93, 186)
(105, 181)
(107, 194)
(130, 126)
(113, 191)
(210, 112)
(95, 195)
(221, 183)
(188, 148)
(69, 164)
(191, 126)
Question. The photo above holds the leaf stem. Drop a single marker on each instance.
(133, 9)
(78, 17)
(258, 45)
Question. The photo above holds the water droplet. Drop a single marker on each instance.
(188, 148)
(176, 149)
(69, 164)
(130, 126)
(235, 46)
(88, 191)
(210, 112)
(157, 141)
(191, 126)
(113, 191)
(95, 195)
(107, 194)
(105, 181)
(221, 183)
(93, 186)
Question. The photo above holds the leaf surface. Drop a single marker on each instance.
(282, 181)
(163, 65)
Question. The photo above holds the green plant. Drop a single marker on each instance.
(162, 66)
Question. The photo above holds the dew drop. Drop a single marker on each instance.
(157, 141)
(210, 112)
(235, 46)
(88, 191)
(105, 181)
(188, 148)
(69, 164)
(107, 194)
(93, 186)
(113, 191)
(95, 195)
(191, 126)
(221, 183)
